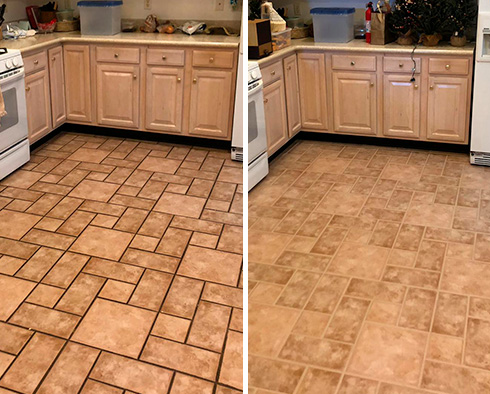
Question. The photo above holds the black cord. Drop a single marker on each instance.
(414, 69)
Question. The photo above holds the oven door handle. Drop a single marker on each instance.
(260, 86)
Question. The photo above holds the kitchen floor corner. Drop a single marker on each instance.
(120, 269)
(369, 271)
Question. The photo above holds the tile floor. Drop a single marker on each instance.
(369, 273)
(120, 270)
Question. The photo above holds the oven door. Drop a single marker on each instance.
(13, 126)
(257, 137)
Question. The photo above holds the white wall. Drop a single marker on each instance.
(16, 9)
(163, 9)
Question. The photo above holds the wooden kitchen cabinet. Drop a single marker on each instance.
(447, 109)
(77, 83)
(38, 105)
(164, 99)
(118, 95)
(291, 84)
(354, 102)
(313, 91)
(401, 106)
(275, 116)
(211, 103)
(57, 86)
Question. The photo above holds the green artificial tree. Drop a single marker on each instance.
(403, 19)
(461, 16)
(254, 8)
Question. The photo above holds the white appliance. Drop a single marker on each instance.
(14, 145)
(237, 135)
(258, 165)
(480, 128)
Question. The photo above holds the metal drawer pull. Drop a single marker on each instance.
(194, 80)
(273, 73)
(353, 63)
(431, 87)
(164, 57)
(416, 86)
(289, 67)
(266, 101)
(400, 65)
(179, 79)
(36, 62)
(135, 76)
(28, 88)
(211, 60)
(116, 55)
(448, 66)
(53, 58)
(372, 83)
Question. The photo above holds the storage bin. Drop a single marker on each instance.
(100, 17)
(333, 24)
(281, 39)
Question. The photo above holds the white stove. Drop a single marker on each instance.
(14, 145)
(258, 165)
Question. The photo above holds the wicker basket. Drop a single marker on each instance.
(68, 25)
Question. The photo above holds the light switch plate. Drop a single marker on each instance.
(220, 5)
(147, 4)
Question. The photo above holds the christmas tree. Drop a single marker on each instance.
(404, 17)
(461, 16)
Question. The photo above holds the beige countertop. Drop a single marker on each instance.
(362, 46)
(178, 39)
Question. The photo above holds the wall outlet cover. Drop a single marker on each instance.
(220, 5)
(147, 4)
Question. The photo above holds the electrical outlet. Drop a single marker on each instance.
(297, 9)
(147, 4)
(220, 5)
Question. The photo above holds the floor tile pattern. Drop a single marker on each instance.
(369, 272)
(121, 269)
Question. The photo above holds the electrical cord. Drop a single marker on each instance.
(414, 69)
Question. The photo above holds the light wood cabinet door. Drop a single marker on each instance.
(354, 102)
(447, 109)
(38, 105)
(313, 91)
(401, 106)
(291, 84)
(275, 116)
(77, 83)
(211, 103)
(164, 99)
(57, 86)
(118, 95)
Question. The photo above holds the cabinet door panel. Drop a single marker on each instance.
(354, 96)
(447, 109)
(401, 109)
(164, 95)
(211, 103)
(292, 94)
(275, 116)
(57, 86)
(313, 90)
(118, 95)
(77, 83)
(38, 107)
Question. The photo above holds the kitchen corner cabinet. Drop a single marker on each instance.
(38, 105)
(211, 95)
(291, 84)
(164, 99)
(77, 83)
(118, 95)
(57, 86)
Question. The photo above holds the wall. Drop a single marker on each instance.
(163, 9)
(16, 9)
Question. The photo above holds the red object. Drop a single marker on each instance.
(369, 11)
(33, 13)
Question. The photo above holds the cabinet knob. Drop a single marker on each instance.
(194, 80)
(431, 87)
(179, 79)
(135, 76)
(266, 101)
(416, 86)
(372, 83)
(116, 55)
(36, 62)
(448, 66)
(352, 63)
(211, 60)
(28, 88)
(164, 57)
(400, 65)
(289, 67)
(273, 73)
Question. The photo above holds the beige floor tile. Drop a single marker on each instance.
(16, 224)
(176, 204)
(93, 190)
(445, 349)
(13, 291)
(317, 381)
(274, 375)
(103, 243)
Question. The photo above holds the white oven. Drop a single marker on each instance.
(258, 165)
(14, 145)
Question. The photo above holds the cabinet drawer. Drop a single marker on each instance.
(213, 59)
(272, 73)
(117, 55)
(447, 66)
(400, 65)
(166, 57)
(35, 62)
(352, 62)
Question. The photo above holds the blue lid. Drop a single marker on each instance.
(332, 11)
(95, 3)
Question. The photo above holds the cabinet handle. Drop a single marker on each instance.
(179, 79)
(28, 88)
(400, 65)
(289, 67)
(352, 63)
(372, 83)
(135, 76)
(53, 59)
(211, 60)
(164, 57)
(36, 62)
(266, 101)
(431, 87)
(448, 66)
(194, 80)
(416, 86)
(273, 73)
(116, 55)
